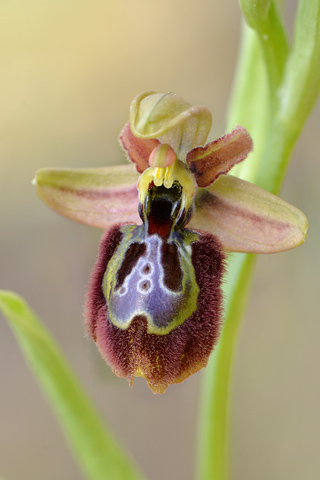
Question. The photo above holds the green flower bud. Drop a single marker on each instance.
(255, 11)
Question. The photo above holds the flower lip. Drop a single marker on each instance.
(161, 357)
(147, 291)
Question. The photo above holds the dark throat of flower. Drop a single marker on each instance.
(162, 211)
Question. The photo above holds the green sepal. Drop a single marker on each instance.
(247, 218)
(99, 197)
(172, 120)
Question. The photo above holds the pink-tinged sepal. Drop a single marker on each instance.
(247, 218)
(218, 157)
(99, 197)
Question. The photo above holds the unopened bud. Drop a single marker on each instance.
(255, 11)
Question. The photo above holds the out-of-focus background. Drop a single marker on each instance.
(68, 72)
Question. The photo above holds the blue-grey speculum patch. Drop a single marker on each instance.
(151, 273)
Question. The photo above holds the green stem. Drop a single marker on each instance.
(276, 157)
(250, 101)
(215, 395)
(273, 40)
(275, 47)
(296, 97)
(212, 455)
(294, 87)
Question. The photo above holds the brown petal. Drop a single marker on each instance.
(248, 219)
(137, 149)
(99, 197)
(218, 157)
(161, 359)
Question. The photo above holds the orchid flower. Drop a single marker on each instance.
(154, 303)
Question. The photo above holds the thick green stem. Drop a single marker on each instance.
(250, 101)
(276, 157)
(215, 393)
(294, 86)
(296, 96)
(214, 407)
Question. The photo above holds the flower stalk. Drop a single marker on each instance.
(264, 18)
(292, 99)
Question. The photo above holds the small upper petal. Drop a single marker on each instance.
(137, 149)
(218, 157)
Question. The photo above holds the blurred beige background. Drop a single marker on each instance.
(68, 72)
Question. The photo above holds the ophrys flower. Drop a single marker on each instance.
(154, 303)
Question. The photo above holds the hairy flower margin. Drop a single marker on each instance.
(154, 300)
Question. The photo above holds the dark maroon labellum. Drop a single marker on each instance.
(154, 300)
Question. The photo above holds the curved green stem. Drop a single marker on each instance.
(273, 40)
(296, 97)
